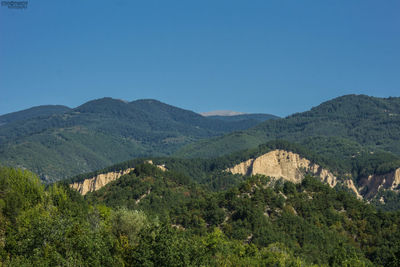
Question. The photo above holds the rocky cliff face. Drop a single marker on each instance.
(289, 166)
(97, 182)
(370, 185)
(283, 164)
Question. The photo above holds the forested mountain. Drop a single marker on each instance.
(58, 142)
(354, 136)
(352, 120)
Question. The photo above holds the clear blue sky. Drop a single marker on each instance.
(275, 57)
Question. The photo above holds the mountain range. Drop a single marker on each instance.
(318, 188)
(351, 141)
(355, 137)
(58, 142)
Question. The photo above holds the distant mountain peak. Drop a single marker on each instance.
(147, 100)
(221, 113)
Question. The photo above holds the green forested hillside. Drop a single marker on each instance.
(57, 227)
(57, 142)
(356, 120)
(314, 222)
(151, 217)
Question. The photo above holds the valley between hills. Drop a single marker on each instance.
(144, 183)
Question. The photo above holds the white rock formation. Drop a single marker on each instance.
(289, 166)
(98, 181)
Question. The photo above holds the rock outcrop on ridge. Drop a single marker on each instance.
(288, 166)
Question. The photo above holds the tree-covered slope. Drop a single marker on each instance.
(58, 142)
(154, 217)
(315, 222)
(55, 226)
(371, 122)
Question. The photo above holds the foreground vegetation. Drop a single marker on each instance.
(55, 226)
(151, 218)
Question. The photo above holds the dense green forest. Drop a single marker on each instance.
(151, 217)
(55, 226)
(356, 120)
(57, 142)
(312, 220)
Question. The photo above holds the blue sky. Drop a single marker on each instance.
(275, 57)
